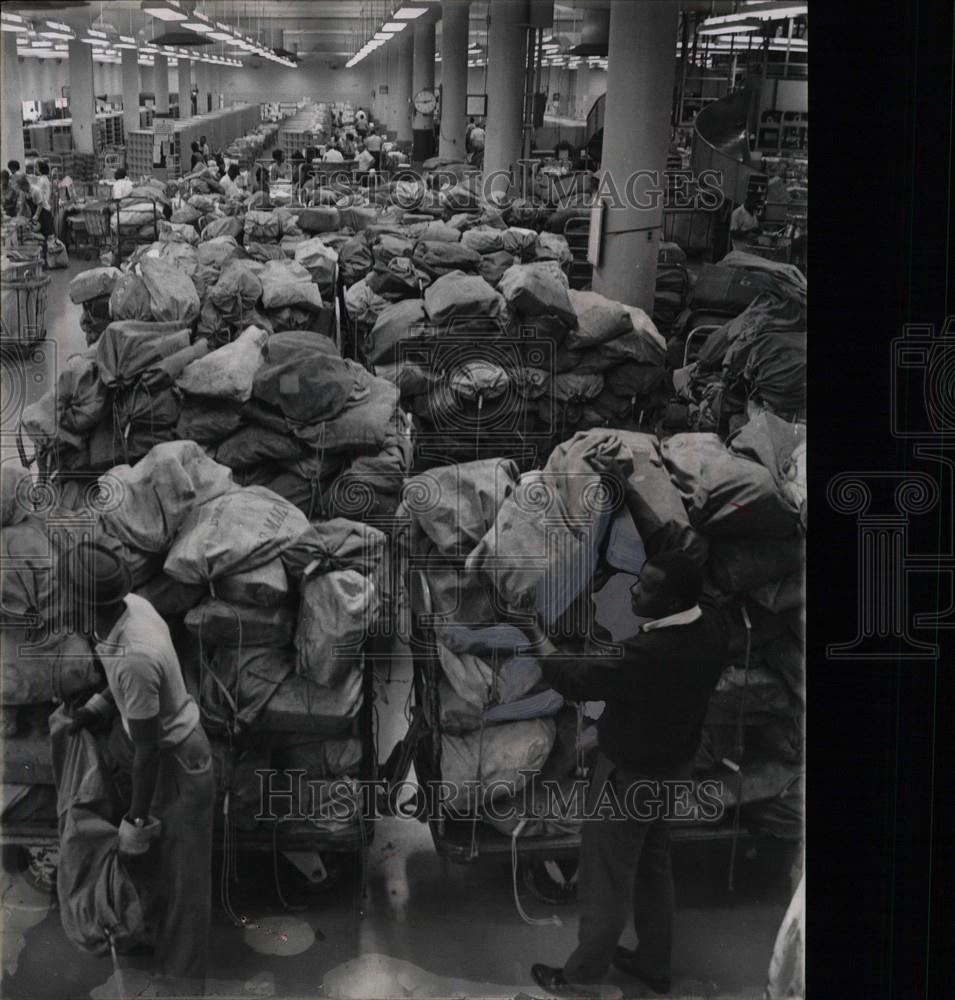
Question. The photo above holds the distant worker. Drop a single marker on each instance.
(373, 144)
(333, 155)
(230, 182)
(122, 185)
(744, 222)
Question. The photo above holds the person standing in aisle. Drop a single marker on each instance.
(42, 197)
(744, 222)
(204, 147)
(373, 145)
(173, 787)
(656, 699)
(122, 185)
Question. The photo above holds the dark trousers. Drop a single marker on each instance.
(624, 867)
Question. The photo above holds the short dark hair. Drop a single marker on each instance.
(120, 173)
(684, 578)
(14, 166)
(43, 167)
(233, 170)
(278, 155)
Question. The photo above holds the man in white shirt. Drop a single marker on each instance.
(744, 222)
(365, 161)
(173, 786)
(122, 185)
(332, 155)
(230, 182)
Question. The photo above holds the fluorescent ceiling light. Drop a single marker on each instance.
(16, 18)
(57, 34)
(764, 11)
(92, 41)
(728, 29)
(10, 26)
(166, 11)
(394, 26)
(197, 26)
(42, 45)
(222, 36)
(407, 13)
(93, 33)
(381, 36)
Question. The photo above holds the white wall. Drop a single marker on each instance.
(314, 79)
(784, 95)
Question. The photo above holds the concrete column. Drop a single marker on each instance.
(636, 136)
(130, 69)
(422, 78)
(82, 100)
(185, 87)
(507, 44)
(147, 79)
(11, 109)
(202, 86)
(454, 78)
(162, 84)
(404, 44)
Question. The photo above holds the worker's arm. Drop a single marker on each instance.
(579, 678)
(140, 681)
(145, 736)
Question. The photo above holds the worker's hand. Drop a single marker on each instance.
(94, 714)
(83, 718)
(135, 840)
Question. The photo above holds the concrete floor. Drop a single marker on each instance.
(424, 927)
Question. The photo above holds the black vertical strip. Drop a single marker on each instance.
(880, 783)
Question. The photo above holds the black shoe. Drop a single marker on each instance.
(626, 961)
(553, 981)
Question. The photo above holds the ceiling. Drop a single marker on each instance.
(320, 29)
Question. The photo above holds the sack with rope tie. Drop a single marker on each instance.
(498, 757)
(338, 610)
(222, 623)
(232, 533)
(36, 671)
(98, 901)
(237, 683)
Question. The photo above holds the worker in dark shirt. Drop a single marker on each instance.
(656, 696)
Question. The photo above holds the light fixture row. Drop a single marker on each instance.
(216, 31)
(396, 22)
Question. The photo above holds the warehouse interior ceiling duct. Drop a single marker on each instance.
(180, 38)
(14, 6)
(594, 34)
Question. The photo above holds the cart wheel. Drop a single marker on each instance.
(553, 882)
(15, 859)
(336, 868)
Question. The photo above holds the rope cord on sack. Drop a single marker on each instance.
(738, 747)
(553, 920)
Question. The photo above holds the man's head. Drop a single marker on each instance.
(13, 166)
(43, 167)
(120, 173)
(233, 171)
(202, 140)
(669, 582)
(752, 203)
(278, 155)
(100, 577)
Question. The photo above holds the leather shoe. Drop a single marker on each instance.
(553, 981)
(626, 961)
